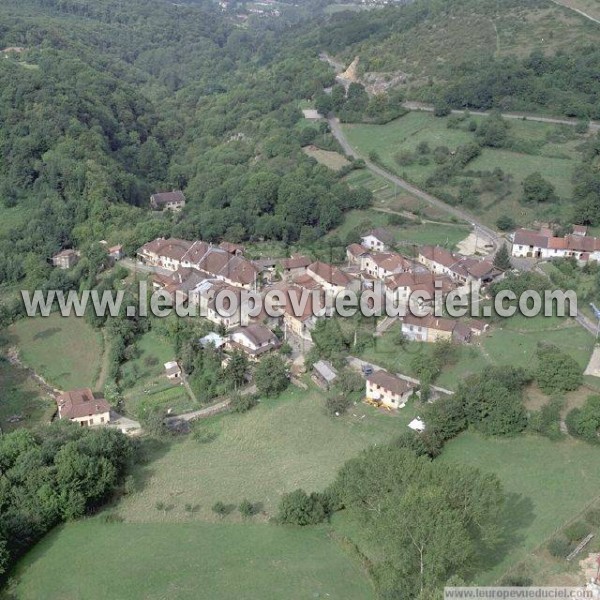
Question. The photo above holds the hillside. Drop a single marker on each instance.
(476, 53)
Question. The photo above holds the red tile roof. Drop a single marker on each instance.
(80, 403)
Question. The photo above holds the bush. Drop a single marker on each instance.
(584, 422)
(242, 403)
(337, 405)
(576, 531)
(246, 508)
(298, 508)
(221, 509)
(559, 547)
(505, 223)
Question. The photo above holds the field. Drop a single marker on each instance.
(549, 483)
(549, 149)
(67, 352)
(277, 447)
(180, 561)
(332, 160)
(21, 397)
(509, 342)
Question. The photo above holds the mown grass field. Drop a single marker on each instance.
(554, 153)
(549, 483)
(67, 352)
(195, 561)
(275, 448)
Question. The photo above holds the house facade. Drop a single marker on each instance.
(66, 259)
(432, 329)
(544, 245)
(173, 201)
(389, 390)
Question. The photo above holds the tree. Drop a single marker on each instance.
(299, 508)
(584, 422)
(537, 190)
(220, 508)
(557, 371)
(502, 258)
(271, 376)
(236, 368)
(505, 223)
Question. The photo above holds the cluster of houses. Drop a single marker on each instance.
(543, 244)
(197, 270)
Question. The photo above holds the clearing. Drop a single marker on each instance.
(333, 160)
(181, 561)
(65, 351)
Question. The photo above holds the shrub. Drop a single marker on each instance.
(576, 531)
(516, 580)
(337, 405)
(242, 403)
(298, 508)
(584, 422)
(246, 508)
(221, 509)
(559, 547)
(505, 223)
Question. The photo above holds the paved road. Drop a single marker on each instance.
(484, 232)
(594, 125)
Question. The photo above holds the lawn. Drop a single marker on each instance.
(277, 447)
(21, 397)
(66, 351)
(199, 561)
(552, 150)
(332, 160)
(515, 343)
(548, 484)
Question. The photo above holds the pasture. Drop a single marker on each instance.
(181, 561)
(549, 483)
(66, 351)
(280, 445)
(552, 150)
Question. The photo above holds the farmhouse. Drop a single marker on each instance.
(80, 406)
(542, 244)
(383, 264)
(388, 389)
(431, 329)
(460, 269)
(66, 259)
(216, 262)
(378, 239)
(174, 200)
(254, 340)
(324, 375)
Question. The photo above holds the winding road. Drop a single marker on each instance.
(483, 231)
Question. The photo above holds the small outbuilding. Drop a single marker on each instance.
(324, 375)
